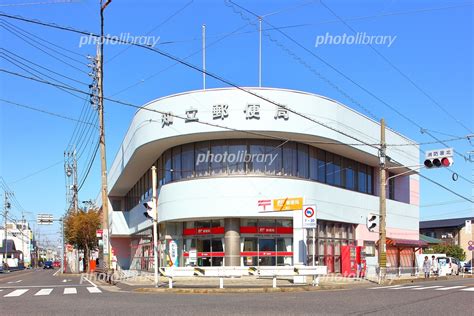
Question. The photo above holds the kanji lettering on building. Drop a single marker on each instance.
(191, 115)
(166, 119)
(220, 111)
(281, 112)
(252, 111)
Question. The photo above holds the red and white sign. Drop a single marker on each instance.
(309, 216)
(98, 233)
(262, 205)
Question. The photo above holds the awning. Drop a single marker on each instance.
(406, 243)
(430, 240)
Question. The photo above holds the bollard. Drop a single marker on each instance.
(170, 282)
(274, 281)
(221, 283)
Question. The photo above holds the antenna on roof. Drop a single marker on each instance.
(204, 56)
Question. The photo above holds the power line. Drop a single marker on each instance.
(36, 172)
(397, 69)
(216, 125)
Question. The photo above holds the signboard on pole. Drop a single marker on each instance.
(438, 153)
(44, 219)
(468, 228)
(105, 239)
(309, 216)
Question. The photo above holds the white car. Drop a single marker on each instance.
(448, 266)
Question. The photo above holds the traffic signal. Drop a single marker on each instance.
(150, 211)
(372, 221)
(438, 162)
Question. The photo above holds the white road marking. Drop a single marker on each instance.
(93, 289)
(43, 292)
(17, 293)
(18, 281)
(70, 290)
(428, 287)
(89, 282)
(54, 274)
(405, 287)
(384, 287)
(450, 288)
(469, 289)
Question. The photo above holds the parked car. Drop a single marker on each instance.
(56, 264)
(467, 267)
(448, 266)
(48, 265)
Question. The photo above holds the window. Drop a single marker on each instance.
(187, 161)
(202, 159)
(273, 157)
(176, 166)
(391, 186)
(303, 160)
(289, 159)
(370, 181)
(362, 178)
(321, 166)
(350, 174)
(218, 160)
(313, 163)
(167, 166)
(236, 150)
(338, 170)
(257, 152)
(369, 248)
(330, 168)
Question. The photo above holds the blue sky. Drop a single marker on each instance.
(433, 47)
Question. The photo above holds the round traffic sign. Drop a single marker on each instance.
(309, 212)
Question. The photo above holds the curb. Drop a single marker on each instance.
(237, 290)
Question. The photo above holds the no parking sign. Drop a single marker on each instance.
(309, 216)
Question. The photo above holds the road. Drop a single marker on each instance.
(38, 292)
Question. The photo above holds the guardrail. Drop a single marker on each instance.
(236, 272)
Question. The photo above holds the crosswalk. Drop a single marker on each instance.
(48, 291)
(424, 288)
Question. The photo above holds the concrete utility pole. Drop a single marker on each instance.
(6, 206)
(155, 223)
(383, 205)
(103, 162)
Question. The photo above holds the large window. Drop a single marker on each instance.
(255, 156)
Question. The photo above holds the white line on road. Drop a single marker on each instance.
(405, 287)
(17, 281)
(92, 283)
(93, 289)
(30, 286)
(70, 290)
(54, 274)
(469, 289)
(428, 287)
(43, 292)
(17, 293)
(384, 287)
(450, 288)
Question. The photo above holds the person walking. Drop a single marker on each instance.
(426, 267)
(434, 265)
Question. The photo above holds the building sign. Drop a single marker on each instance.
(266, 230)
(98, 233)
(105, 240)
(445, 152)
(173, 253)
(468, 228)
(309, 216)
(288, 204)
(203, 231)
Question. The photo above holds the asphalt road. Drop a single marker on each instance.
(455, 297)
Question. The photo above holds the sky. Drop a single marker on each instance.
(418, 76)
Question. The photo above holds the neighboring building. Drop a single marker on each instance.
(453, 232)
(215, 184)
(20, 239)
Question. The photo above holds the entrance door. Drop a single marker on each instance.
(204, 247)
(266, 251)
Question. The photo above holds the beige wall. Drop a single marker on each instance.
(464, 238)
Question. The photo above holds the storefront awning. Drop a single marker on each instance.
(406, 243)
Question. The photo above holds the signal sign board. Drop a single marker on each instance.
(438, 153)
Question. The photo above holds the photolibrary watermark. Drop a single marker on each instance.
(122, 38)
(240, 156)
(360, 38)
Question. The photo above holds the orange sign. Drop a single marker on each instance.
(288, 204)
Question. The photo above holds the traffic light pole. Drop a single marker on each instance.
(382, 205)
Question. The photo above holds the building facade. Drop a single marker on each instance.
(234, 172)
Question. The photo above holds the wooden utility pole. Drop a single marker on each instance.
(103, 162)
(6, 206)
(383, 205)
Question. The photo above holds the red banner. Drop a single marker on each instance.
(266, 253)
(266, 230)
(206, 254)
(203, 231)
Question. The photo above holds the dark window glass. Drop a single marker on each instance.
(362, 178)
(273, 157)
(321, 166)
(391, 186)
(289, 159)
(235, 160)
(350, 172)
(257, 161)
(370, 181)
(159, 166)
(329, 168)
(218, 157)
(167, 166)
(217, 245)
(337, 170)
(303, 161)
(313, 163)
(202, 159)
(187, 161)
(176, 173)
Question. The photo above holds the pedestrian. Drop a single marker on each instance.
(434, 265)
(426, 267)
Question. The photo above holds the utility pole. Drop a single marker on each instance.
(103, 163)
(6, 206)
(383, 205)
(70, 167)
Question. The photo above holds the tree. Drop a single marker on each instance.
(80, 230)
(450, 251)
